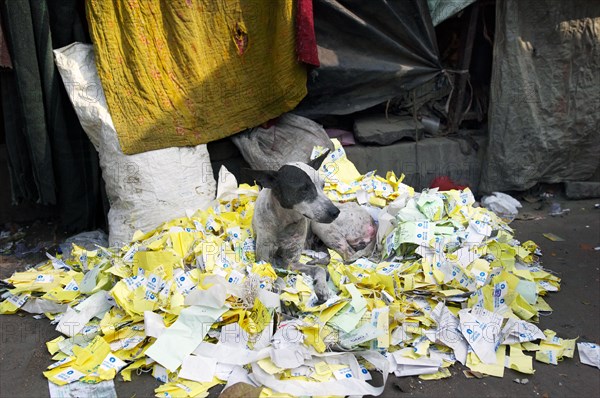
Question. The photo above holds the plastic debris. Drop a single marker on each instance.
(88, 240)
(556, 210)
(188, 302)
(521, 381)
(504, 205)
(8, 240)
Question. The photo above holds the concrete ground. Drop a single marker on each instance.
(23, 354)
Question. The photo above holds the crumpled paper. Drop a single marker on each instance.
(189, 302)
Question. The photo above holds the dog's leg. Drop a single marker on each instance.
(319, 276)
(365, 252)
(265, 248)
(332, 236)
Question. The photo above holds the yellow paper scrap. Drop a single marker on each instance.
(519, 361)
(495, 369)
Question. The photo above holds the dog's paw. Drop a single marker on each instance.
(322, 295)
(321, 288)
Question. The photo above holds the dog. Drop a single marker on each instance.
(291, 197)
(352, 234)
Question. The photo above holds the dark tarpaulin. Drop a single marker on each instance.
(369, 51)
(545, 94)
(51, 160)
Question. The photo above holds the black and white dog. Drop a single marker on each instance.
(291, 197)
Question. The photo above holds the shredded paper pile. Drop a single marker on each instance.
(189, 302)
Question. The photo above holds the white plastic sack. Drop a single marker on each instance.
(144, 189)
(502, 204)
(291, 139)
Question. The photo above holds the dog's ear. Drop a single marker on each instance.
(317, 162)
(264, 178)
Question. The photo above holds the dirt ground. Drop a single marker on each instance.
(23, 354)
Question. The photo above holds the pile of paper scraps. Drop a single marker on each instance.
(189, 302)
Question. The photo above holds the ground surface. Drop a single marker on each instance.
(23, 354)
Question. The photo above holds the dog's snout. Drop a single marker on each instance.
(333, 212)
(329, 215)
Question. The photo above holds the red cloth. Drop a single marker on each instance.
(5, 61)
(444, 183)
(306, 41)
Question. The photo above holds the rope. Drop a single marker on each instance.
(447, 72)
(416, 140)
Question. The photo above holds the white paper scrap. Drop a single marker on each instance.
(183, 336)
(69, 375)
(214, 297)
(351, 386)
(154, 325)
(227, 187)
(519, 331)
(269, 299)
(41, 306)
(200, 369)
(289, 356)
(231, 354)
(589, 353)
(104, 389)
(482, 330)
(358, 301)
(112, 362)
(74, 320)
(448, 332)
(238, 375)
(411, 367)
(364, 333)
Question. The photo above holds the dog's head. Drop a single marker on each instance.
(298, 186)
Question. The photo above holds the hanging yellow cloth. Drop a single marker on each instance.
(186, 72)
